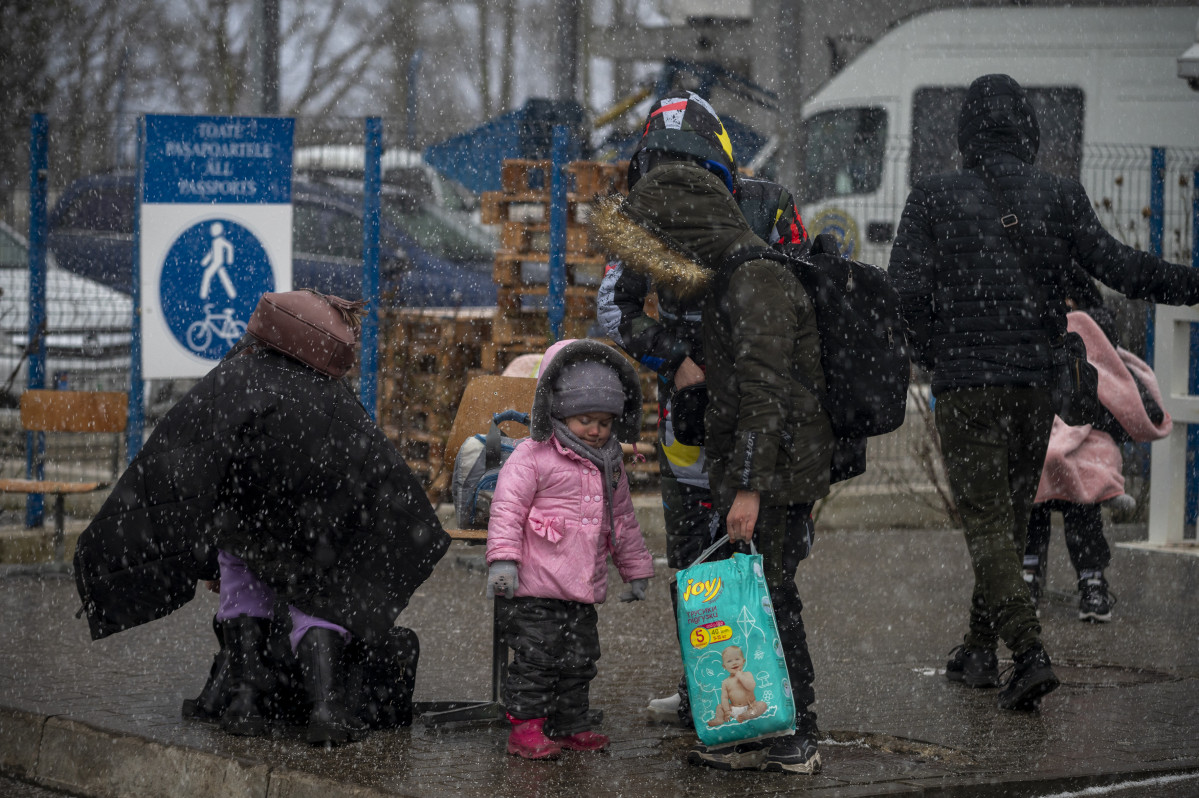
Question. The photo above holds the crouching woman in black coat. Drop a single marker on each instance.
(271, 476)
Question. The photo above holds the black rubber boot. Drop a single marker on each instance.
(380, 679)
(249, 677)
(214, 696)
(329, 721)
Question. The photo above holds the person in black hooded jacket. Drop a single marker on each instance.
(982, 321)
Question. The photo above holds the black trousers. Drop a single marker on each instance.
(555, 645)
(691, 521)
(783, 536)
(994, 441)
(1083, 524)
(692, 524)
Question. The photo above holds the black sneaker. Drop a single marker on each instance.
(1032, 678)
(796, 753)
(973, 667)
(1095, 601)
(739, 756)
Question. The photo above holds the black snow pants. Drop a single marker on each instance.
(555, 645)
(1089, 550)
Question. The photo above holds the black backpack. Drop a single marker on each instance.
(863, 349)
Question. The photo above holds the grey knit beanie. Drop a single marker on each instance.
(587, 387)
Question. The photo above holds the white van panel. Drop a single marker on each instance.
(1123, 60)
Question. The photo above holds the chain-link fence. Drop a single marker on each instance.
(463, 252)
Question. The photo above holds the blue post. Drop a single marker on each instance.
(39, 164)
(556, 301)
(1157, 219)
(410, 104)
(372, 180)
(135, 423)
(1192, 480)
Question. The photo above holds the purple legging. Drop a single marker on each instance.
(242, 593)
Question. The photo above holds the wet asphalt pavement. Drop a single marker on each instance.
(883, 608)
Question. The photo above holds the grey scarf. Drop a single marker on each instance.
(607, 459)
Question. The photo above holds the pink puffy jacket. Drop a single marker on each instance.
(548, 516)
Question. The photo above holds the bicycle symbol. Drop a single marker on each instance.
(222, 325)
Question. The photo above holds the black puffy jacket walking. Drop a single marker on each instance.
(971, 310)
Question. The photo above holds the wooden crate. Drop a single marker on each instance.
(587, 179)
(426, 357)
(496, 357)
(532, 329)
(598, 179)
(527, 237)
(510, 300)
(529, 207)
(524, 175)
(515, 271)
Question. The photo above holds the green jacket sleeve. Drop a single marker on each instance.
(764, 321)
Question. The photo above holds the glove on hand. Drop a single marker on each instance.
(501, 579)
(635, 591)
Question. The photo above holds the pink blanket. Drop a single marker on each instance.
(1083, 465)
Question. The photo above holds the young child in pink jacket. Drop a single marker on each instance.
(561, 506)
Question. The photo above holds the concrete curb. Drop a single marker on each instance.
(63, 754)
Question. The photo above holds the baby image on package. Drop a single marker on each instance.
(736, 674)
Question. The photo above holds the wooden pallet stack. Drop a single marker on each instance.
(521, 324)
(522, 209)
(426, 357)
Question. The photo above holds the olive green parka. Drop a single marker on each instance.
(765, 432)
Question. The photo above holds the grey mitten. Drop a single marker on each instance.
(501, 579)
(635, 591)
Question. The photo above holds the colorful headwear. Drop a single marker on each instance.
(686, 125)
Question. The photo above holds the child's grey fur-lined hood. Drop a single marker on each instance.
(626, 426)
(677, 227)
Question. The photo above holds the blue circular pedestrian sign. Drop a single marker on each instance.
(211, 280)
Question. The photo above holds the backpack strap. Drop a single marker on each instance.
(493, 444)
(1015, 233)
(793, 264)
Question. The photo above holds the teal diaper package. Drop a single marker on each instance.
(736, 675)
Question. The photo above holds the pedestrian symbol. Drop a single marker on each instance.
(212, 277)
(220, 256)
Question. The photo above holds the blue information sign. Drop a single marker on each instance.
(217, 159)
(215, 234)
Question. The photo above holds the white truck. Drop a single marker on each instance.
(1103, 82)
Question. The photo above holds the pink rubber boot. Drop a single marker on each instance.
(527, 739)
(583, 741)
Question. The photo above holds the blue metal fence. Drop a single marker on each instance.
(1146, 198)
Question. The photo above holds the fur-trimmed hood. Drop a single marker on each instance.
(677, 226)
(627, 426)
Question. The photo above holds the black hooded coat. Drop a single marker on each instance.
(972, 312)
(280, 465)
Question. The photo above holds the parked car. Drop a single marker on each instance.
(424, 260)
(87, 326)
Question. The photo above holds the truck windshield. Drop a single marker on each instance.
(844, 153)
(935, 109)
